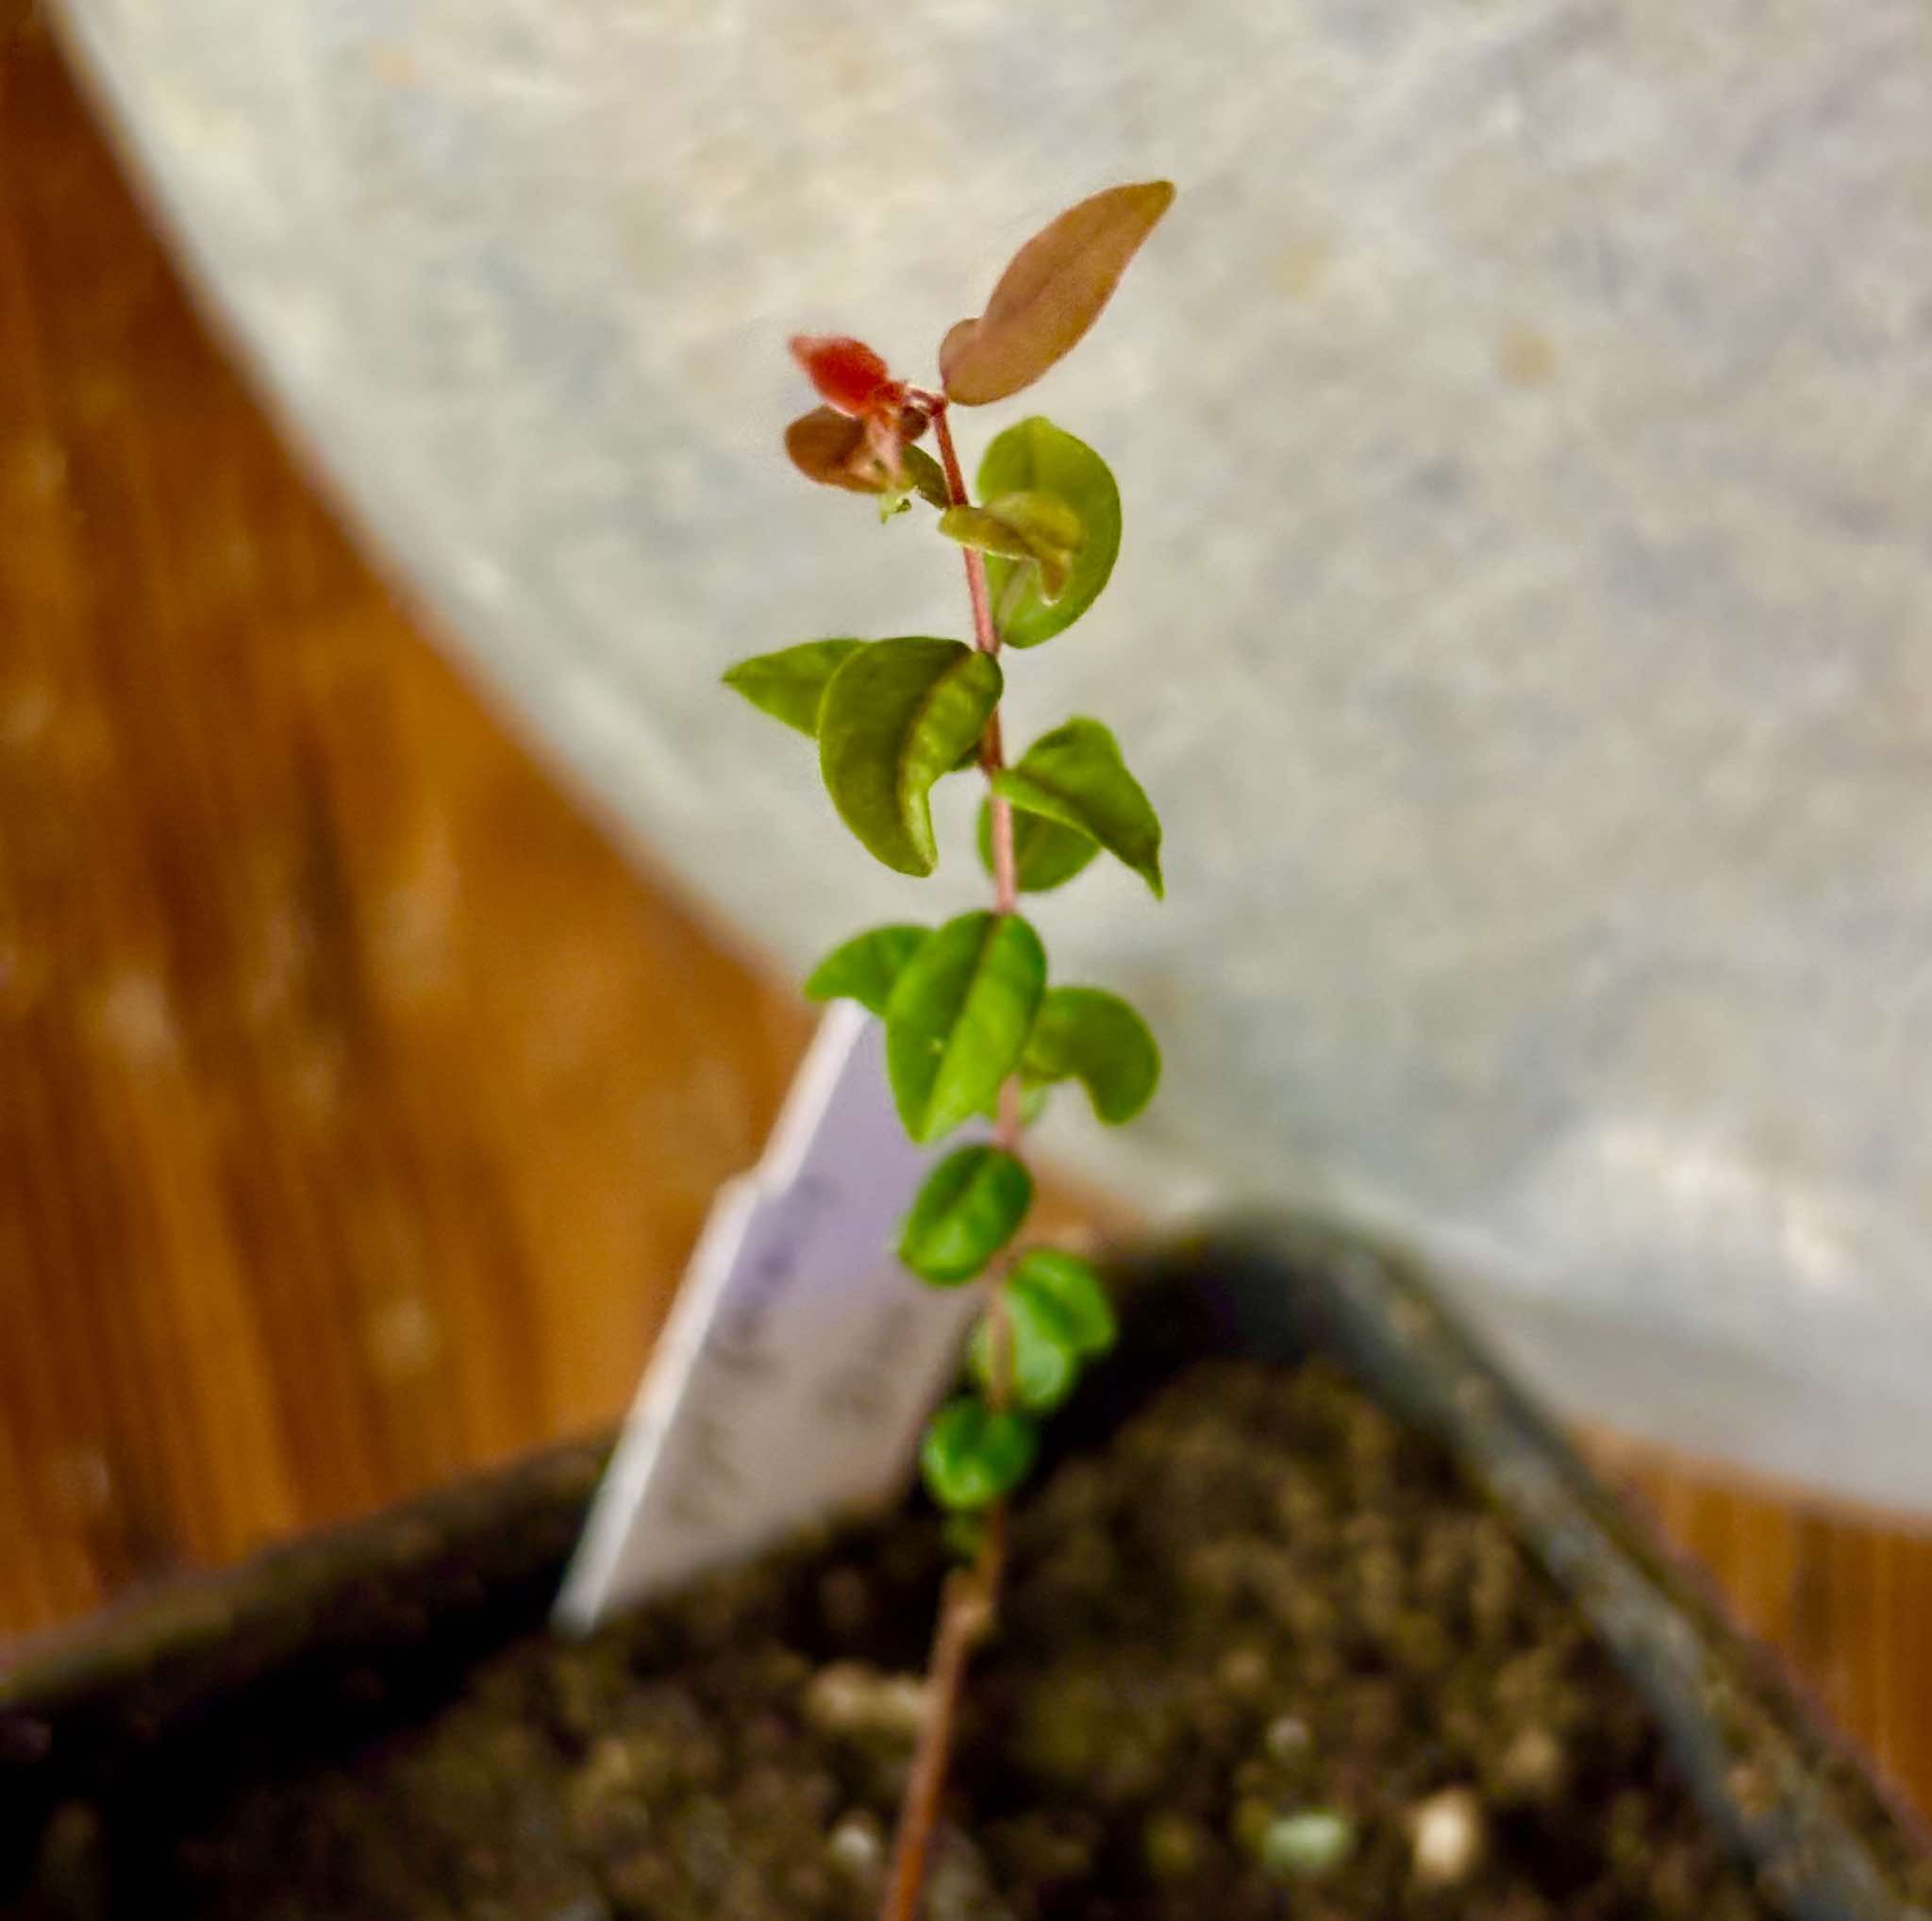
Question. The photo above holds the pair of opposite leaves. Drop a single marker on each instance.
(966, 1006)
(892, 716)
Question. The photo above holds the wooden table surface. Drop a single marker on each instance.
(358, 1104)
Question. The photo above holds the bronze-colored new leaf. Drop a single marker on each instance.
(834, 449)
(823, 445)
(1050, 294)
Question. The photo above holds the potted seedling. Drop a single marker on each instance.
(972, 1026)
(1258, 1590)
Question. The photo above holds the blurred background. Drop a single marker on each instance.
(358, 1098)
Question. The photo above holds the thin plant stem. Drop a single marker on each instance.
(972, 1596)
(962, 1620)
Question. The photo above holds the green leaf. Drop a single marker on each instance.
(927, 477)
(968, 1208)
(1066, 1290)
(1057, 1316)
(864, 968)
(1051, 293)
(959, 1017)
(1027, 525)
(1086, 1034)
(895, 716)
(975, 527)
(973, 1455)
(1042, 1370)
(1046, 854)
(790, 684)
(1075, 776)
(1034, 457)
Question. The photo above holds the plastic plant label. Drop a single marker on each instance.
(799, 1361)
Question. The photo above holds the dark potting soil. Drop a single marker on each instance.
(1262, 1655)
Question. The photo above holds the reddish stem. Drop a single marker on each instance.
(971, 1600)
(964, 1617)
(992, 754)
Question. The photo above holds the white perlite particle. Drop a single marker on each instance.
(1446, 1836)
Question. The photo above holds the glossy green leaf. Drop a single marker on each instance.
(1046, 854)
(866, 967)
(1086, 1034)
(1067, 1292)
(1057, 1316)
(959, 1017)
(895, 716)
(1052, 292)
(1027, 525)
(966, 1208)
(974, 526)
(1041, 1370)
(1075, 776)
(1034, 457)
(926, 477)
(974, 1455)
(790, 684)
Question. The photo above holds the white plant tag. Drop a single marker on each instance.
(799, 1361)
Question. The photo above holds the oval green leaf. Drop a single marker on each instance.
(957, 1019)
(1034, 457)
(966, 1208)
(865, 967)
(1057, 1316)
(894, 717)
(1075, 776)
(974, 527)
(926, 477)
(790, 684)
(1042, 1369)
(1052, 292)
(1088, 1035)
(974, 1455)
(1046, 854)
(1029, 525)
(1066, 1292)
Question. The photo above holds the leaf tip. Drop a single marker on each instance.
(1152, 198)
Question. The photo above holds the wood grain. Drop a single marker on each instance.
(358, 1105)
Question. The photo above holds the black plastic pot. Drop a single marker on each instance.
(358, 1629)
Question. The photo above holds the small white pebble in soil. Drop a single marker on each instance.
(849, 1697)
(1244, 1671)
(857, 1845)
(1310, 1842)
(1532, 1765)
(1287, 1738)
(1445, 1836)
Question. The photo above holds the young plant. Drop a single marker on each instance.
(973, 1030)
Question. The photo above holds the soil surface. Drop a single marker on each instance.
(1263, 1656)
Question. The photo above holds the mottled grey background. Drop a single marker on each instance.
(1524, 421)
